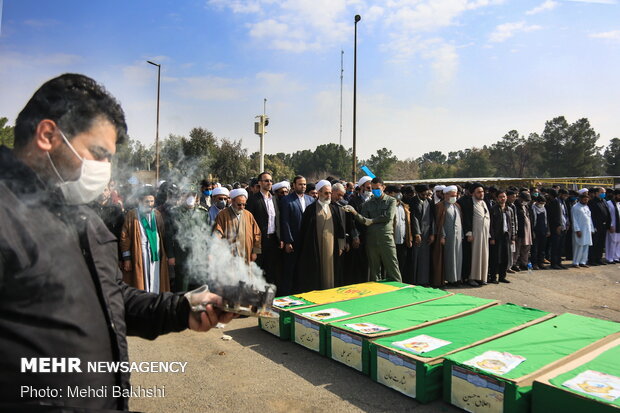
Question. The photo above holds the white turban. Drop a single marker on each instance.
(322, 183)
(283, 184)
(582, 191)
(220, 190)
(449, 189)
(238, 192)
(363, 180)
(439, 188)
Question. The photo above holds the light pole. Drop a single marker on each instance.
(259, 129)
(157, 127)
(353, 170)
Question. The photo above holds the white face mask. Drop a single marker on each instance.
(452, 200)
(94, 176)
(190, 201)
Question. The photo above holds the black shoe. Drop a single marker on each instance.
(574, 266)
(481, 283)
(584, 266)
(564, 267)
(556, 267)
(515, 268)
(493, 281)
(473, 283)
(522, 268)
(504, 280)
(601, 262)
(593, 264)
(536, 267)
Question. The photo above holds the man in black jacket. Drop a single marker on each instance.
(61, 290)
(264, 206)
(559, 221)
(601, 219)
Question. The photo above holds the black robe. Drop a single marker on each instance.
(308, 266)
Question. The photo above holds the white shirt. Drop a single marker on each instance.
(302, 201)
(271, 212)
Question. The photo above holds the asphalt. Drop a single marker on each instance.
(257, 372)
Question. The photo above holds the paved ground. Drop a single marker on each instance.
(256, 372)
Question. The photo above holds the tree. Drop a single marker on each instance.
(434, 156)
(230, 162)
(332, 159)
(6, 133)
(514, 155)
(570, 150)
(382, 162)
(404, 170)
(612, 157)
(475, 163)
(273, 164)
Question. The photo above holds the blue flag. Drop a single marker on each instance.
(367, 171)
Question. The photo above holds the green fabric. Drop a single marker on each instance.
(150, 230)
(547, 399)
(544, 343)
(607, 362)
(461, 332)
(466, 330)
(412, 316)
(378, 302)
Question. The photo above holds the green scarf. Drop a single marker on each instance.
(151, 234)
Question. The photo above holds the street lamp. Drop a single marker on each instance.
(157, 127)
(353, 170)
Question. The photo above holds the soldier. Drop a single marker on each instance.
(377, 214)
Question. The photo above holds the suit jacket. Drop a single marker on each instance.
(600, 214)
(554, 213)
(497, 222)
(256, 205)
(290, 216)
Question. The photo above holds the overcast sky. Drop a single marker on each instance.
(432, 74)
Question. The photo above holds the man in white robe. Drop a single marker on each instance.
(582, 231)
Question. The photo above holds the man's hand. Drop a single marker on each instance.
(253, 257)
(417, 240)
(281, 245)
(559, 230)
(206, 320)
(443, 241)
(172, 261)
(288, 248)
(127, 265)
(431, 239)
(470, 238)
(409, 244)
(350, 209)
(492, 242)
(340, 252)
(578, 233)
(356, 243)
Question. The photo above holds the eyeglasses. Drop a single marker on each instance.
(267, 180)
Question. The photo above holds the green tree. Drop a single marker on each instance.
(230, 162)
(570, 149)
(273, 164)
(6, 133)
(516, 156)
(475, 163)
(434, 156)
(612, 157)
(382, 162)
(404, 170)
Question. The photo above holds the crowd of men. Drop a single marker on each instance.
(319, 235)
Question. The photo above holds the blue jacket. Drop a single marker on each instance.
(290, 217)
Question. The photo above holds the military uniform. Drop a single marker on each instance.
(377, 214)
